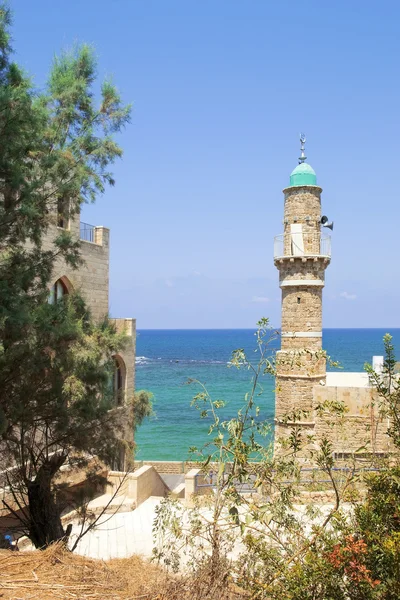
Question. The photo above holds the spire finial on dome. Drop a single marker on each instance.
(302, 157)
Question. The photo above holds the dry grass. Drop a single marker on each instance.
(60, 575)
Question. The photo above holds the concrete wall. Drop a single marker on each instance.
(349, 380)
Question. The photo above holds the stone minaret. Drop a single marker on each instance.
(301, 255)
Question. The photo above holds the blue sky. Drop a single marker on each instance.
(220, 90)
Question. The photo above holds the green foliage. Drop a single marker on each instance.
(290, 550)
(378, 525)
(60, 410)
(253, 492)
(387, 385)
(56, 407)
(61, 387)
(142, 406)
(377, 519)
(55, 144)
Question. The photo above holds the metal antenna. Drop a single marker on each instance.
(302, 157)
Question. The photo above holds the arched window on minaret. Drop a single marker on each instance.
(59, 289)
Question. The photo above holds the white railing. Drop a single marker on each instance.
(294, 250)
(279, 245)
(325, 245)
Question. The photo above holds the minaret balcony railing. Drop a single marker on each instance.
(284, 246)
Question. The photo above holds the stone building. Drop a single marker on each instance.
(301, 254)
(91, 279)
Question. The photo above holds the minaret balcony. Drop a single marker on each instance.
(291, 247)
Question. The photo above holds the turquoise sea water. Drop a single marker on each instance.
(166, 359)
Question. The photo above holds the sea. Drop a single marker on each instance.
(175, 364)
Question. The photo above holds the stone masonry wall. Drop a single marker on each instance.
(293, 393)
(361, 425)
(303, 205)
(128, 354)
(91, 278)
(303, 363)
(298, 366)
(301, 309)
(297, 344)
(298, 269)
(300, 372)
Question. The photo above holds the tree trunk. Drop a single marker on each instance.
(45, 525)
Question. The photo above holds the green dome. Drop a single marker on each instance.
(303, 174)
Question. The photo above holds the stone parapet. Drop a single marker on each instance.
(102, 236)
(126, 326)
(139, 485)
(190, 486)
(166, 467)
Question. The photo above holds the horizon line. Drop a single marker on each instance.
(247, 328)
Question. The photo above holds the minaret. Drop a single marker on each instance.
(301, 255)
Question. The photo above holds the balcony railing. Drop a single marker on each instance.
(293, 249)
(325, 245)
(87, 232)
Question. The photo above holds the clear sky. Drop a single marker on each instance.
(220, 91)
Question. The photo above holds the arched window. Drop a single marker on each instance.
(119, 380)
(58, 291)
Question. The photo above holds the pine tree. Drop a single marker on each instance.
(56, 406)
